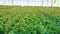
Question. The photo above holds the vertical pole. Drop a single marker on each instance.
(47, 2)
(27, 3)
(57, 3)
(12, 2)
(51, 3)
(42, 2)
(4, 2)
(0, 2)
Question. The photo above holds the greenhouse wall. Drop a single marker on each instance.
(30, 2)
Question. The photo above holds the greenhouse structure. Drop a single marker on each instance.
(31, 2)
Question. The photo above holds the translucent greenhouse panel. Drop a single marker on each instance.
(58, 3)
(18, 2)
(44, 0)
(38, 4)
(28, 0)
(34, 4)
(44, 3)
(38, 0)
(49, 3)
(31, 2)
(1, 2)
(7, 2)
(25, 4)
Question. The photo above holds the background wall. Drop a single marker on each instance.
(30, 2)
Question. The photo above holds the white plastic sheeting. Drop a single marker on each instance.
(30, 2)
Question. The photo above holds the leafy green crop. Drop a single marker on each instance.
(29, 20)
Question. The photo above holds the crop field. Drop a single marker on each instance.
(29, 20)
